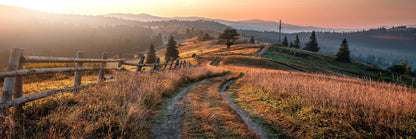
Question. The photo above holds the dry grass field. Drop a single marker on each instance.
(313, 106)
(207, 115)
(125, 108)
(286, 102)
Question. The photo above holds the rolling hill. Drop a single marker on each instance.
(254, 24)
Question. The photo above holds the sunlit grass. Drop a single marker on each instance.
(207, 115)
(248, 51)
(312, 105)
(126, 108)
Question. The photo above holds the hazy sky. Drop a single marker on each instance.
(324, 13)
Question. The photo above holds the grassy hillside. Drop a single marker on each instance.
(325, 64)
(383, 47)
(302, 95)
(126, 108)
(314, 106)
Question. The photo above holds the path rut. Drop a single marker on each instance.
(257, 129)
(170, 128)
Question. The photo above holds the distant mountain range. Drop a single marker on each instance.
(254, 24)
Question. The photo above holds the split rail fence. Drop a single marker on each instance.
(13, 83)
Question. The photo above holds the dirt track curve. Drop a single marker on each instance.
(257, 129)
(170, 128)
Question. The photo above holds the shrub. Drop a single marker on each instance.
(398, 68)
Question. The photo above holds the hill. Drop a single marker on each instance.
(254, 24)
(271, 98)
(382, 47)
(48, 34)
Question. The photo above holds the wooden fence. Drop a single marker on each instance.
(13, 84)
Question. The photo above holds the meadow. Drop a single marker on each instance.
(306, 95)
(125, 108)
(306, 105)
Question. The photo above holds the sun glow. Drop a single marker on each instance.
(85, 7)
(324, 13)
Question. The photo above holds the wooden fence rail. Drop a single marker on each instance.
(13, 84)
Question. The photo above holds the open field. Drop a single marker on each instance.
(124, 109)
(207, 115)
(311, 105)
(325, 64)
(326, 100)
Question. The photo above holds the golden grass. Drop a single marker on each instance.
(57, 65)
(43, 82)
(315, 106)
(124, 109)
(207, 115)
(247, 51)
(246, 61)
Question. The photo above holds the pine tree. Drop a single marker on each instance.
(312, 45)
(285, 42)
(296, 43)
(291, 45)
(151, 55)
(230, 36)
(171, 49)
(343, 53)
(252, 41)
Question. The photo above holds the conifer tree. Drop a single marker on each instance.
(252, 41)
(296, 43)
(171, 49)
(285, 42)
(343, 53)
(151, 55)
(291, 45)
(312, 45)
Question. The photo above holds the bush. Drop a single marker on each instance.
(2, 68)
(398, 68)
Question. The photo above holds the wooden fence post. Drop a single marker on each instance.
(167, 62)
(78, 74)
(156, 66)
(120, 63)
(139, 68)
(181, 65)
(177, 64)
(171, 64)
(9, 82)
(12, 83)
(18, 90)
(101, 72)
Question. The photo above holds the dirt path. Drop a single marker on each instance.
(262, 51)
(170, 128)
(243, 115)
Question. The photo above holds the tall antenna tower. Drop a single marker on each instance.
(280, 31)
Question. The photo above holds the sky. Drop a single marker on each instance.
(322, 13)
